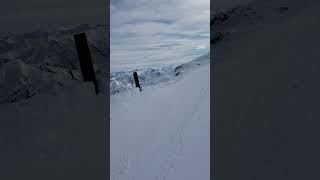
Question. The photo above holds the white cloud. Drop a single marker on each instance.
(152, 31)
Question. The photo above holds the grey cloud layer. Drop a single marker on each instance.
(152, 31)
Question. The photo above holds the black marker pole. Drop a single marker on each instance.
(136, 80)
(85, 59)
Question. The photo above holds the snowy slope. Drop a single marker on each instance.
(164, 131)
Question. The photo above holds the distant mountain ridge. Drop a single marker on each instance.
(44, 60)
(53, 47)
(123, 80)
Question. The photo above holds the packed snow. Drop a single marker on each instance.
(162, 132)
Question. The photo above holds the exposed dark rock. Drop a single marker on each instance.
(221, 17)
(177, 68)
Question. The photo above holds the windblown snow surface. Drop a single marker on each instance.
(162, 132)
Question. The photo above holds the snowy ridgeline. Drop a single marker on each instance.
(41, 61)
(123, 80)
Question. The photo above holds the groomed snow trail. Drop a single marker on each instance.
(164, 131)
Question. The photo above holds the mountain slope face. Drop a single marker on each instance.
(123, 80)
(163, 132)
(40, 61)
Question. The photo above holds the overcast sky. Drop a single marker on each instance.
(28, 15)
(158, 32)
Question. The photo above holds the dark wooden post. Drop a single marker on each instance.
(136, 80)
(85, 59)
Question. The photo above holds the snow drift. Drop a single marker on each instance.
(163, 132)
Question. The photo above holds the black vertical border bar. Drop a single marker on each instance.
(213, 126)
(107, 133)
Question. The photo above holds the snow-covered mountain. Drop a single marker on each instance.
(123, 80)
(39, 61)
(43, 60)
(53, 47)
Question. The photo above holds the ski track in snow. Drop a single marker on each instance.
(163, 132)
